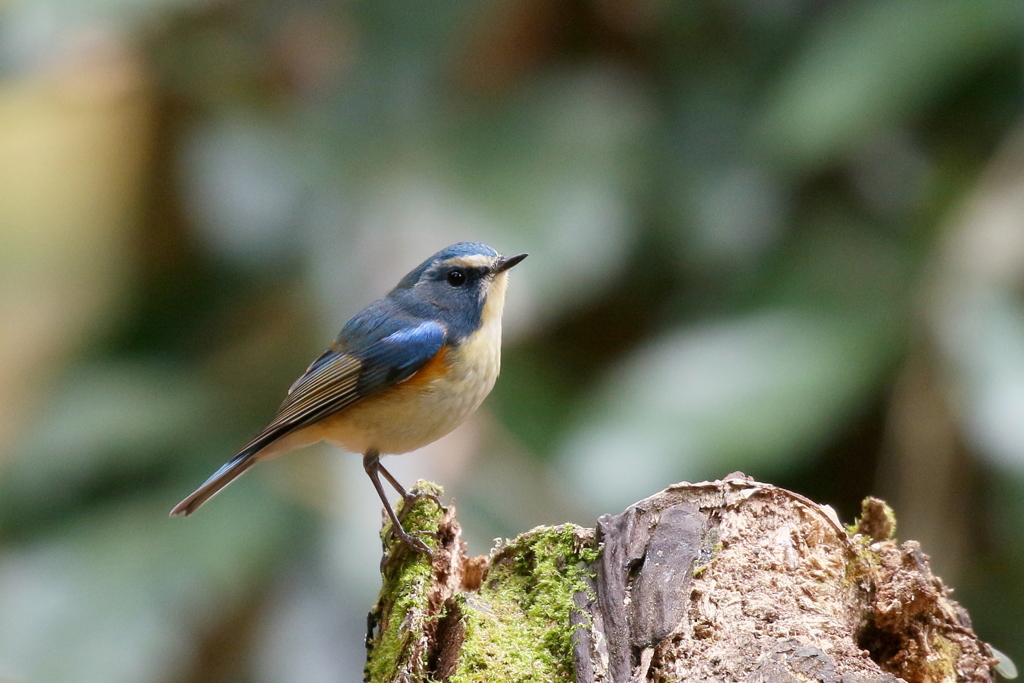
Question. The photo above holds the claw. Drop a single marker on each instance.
(404, 539)
(412, 542)
(411, 498)
(371, 463)
(408, 539)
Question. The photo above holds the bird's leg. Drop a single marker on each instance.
(371, 463)
(410, 498)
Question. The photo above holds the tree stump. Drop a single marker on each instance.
(728, 581)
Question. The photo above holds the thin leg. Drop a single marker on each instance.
(410, 498)
(371, 464)
(394, 482)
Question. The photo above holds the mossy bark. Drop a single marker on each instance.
(726, 581)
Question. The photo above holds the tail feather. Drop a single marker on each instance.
(231, 470)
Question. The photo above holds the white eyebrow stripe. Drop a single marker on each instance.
(472, 261)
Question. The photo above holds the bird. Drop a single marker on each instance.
(403, 372)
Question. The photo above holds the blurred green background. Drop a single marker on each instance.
(781, 236)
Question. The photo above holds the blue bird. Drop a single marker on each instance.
(402, 373)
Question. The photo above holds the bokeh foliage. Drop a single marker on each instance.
(781, 236)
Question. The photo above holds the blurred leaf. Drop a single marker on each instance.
(310, 632)
(756, 392)
(72, 158)
(983, 335)
(108, 420)
(752, 393)
(731, 216)
(870, 65)
(120, 594)
(993, 588)
(534, 397)
(837, 264)
(557, 174)
(552, 174)
(66, 13)
(244, 187)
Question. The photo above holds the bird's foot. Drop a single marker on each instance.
(404, 540)
(411, 540)
(411, 498)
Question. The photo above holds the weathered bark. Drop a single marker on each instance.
(726, 581)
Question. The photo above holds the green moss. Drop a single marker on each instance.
(517, 626)
(404, 593)
(876, 522)
(862, 561)
(941, 665)
(890, 522)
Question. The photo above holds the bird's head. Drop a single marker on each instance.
(462, 286)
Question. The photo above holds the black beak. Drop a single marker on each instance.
(506, 262)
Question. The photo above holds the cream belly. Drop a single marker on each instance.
(400, 422)
(404, 418)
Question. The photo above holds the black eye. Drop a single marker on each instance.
(456, 277)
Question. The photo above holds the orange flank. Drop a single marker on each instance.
(435, 368)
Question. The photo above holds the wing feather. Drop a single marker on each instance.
(333, 382)
(337, 379)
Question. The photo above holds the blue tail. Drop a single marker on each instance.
(221, 478)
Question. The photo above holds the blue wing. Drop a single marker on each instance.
(337, 379)
(398, 356)
(333, 382)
